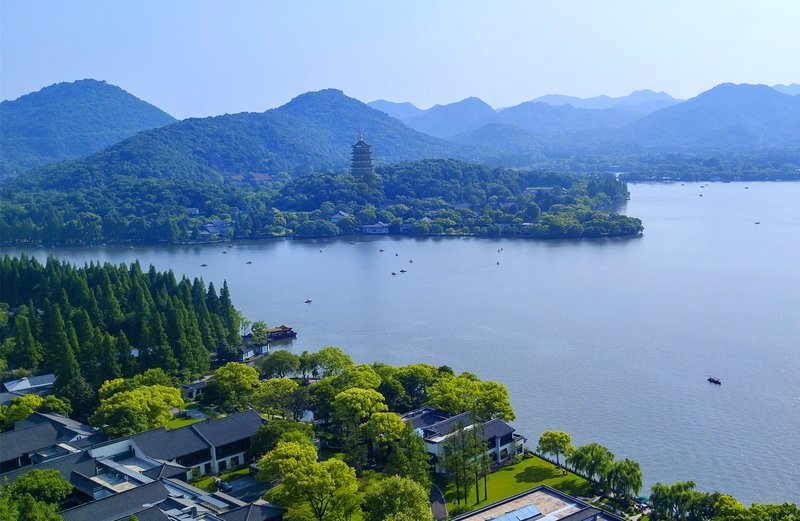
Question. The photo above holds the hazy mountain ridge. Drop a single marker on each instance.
(68, 120)
(726, 116)
(792, 89)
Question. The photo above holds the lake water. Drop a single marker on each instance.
(611, 341)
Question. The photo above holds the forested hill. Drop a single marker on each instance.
(313, 132)
(68, 120)
(100, 322)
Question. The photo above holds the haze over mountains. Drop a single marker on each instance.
(314, 131)
(68, 120)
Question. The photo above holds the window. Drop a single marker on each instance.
(223, 465)
(207, 468)
(235, 461)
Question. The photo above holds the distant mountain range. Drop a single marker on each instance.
(793, 89)
(68, 120)
(314, 131)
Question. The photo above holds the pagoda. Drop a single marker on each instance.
(362, 161)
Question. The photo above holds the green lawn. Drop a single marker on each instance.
(527, 474)
(208, 485)
(180, 421)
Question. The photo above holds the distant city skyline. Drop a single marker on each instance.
(203, 58)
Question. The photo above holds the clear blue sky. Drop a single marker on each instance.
(199, 58)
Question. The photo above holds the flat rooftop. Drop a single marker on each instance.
(539, 504)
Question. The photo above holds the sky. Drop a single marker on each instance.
(199, 58)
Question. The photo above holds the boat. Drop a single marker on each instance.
(381, 249)
(280, 333)
(411, 261)
(249, 262)
(402, 271)
(713, 380)
(393, 273)
(224, 251)
(758, 222)
(395, 255)
(204, 265)
(308, 301)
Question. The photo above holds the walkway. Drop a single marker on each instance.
(438, 505)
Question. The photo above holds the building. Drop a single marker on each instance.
(436, 427)
(361, 166)
(210, 446)
(541, 504)
(378, 228)
(338, 216)
(41, 385)
(144, 474)
(42, 437)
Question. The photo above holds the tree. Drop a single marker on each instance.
(383, 428)
(556, 443)
(268, 435)
(232, 386)
(361, 376)
(395, 497)
(259, 333)
(727, 508)
(626, 478)
(274, 397)
(45, 485)
(330, 361)
(26, 351)
(280, 363)
(409, 458)
(322, 485)
(355, 405)
(20, 408)
(142, 408)
(672, 501)
(286, 457)
(486, 400)
(592, 459)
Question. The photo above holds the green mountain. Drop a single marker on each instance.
(639, 102)
(68, 120)
(313, 132)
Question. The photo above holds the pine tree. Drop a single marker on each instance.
(61, 359)
(27, 351)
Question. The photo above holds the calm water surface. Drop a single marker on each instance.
(611, 341)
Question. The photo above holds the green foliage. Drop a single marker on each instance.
(232, 387)
(397, 498)
(45, 485)
(140, 409)
(67, 120)
(280, 363)
(90, 322)
(555, 443)
(593, 460)
(274, 397)
(268, 435)
(486, 400)
(727, 508)
(408, 457)
(286, 457)
(329, 361)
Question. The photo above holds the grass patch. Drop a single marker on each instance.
(208, 485)
(180, 421)
(514, 479)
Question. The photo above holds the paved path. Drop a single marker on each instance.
(248, 489)
(438, 505)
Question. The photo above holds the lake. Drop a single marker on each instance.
(609, 340)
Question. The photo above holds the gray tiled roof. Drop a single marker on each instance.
(450, 424)
(65, 426)
(260, 511)
(16, 443)
(148, 514)
(118, 506)
(80, 462)
(424, 417)
(496, 427)
(30, 382)
(169, 445)
(230, 428)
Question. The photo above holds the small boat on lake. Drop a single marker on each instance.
(204, 265)
(249, 262)
(715, 381)
(402, 271)
(381, 249)
(393, 273)
(225, 251)
(758, 222)
(308, 301)
(411, 261)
